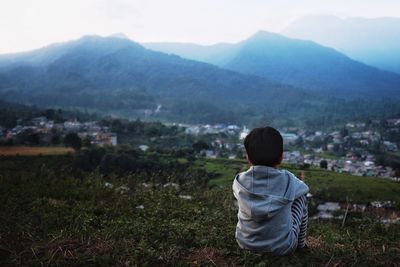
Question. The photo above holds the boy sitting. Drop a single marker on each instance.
(272, 202)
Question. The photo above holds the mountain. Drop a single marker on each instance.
(48, 54)
(117, 75)
(302, 64)
(373, 41)
(217, 54)
(309, 65)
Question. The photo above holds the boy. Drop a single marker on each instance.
(273, 213)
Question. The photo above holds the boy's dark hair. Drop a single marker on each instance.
(264, 146)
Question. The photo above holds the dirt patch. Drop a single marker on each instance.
(34, 151)
(209, 256)
(316, 243)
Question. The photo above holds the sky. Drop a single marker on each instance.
(29, 24)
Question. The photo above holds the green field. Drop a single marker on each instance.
(397, 154)
(326, 185)
(54, 216)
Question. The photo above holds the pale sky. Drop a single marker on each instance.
(29, 24)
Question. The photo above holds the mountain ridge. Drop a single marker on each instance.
(96, 70)
(291, 66)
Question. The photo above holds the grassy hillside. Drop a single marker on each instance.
(51, 216)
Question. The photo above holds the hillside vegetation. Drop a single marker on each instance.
(117, 76)
(54, 213)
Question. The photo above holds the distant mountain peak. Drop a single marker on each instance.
(265, 34)
(119, 35)
(264, 37)
(114, 41)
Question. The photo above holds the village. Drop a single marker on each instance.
(350, 149)
(354, 148)
(42, 131)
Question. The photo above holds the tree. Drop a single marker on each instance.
(124, 163)
(87, 142)
(323, 164)
(73, 140)
(305, 166)
(117, 126)
(107, 163)
(200, 145)
(33, 138)
(299, 142)
(344, 132)
(55, 139)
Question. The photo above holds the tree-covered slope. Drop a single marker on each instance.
(118, 74)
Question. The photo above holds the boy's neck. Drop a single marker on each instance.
(275, 167)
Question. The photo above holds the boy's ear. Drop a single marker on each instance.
(281, 159)
(248, 159)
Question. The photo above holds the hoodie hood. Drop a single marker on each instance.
(265, 190)
(265, 196)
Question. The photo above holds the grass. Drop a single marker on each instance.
(397, 154)
(341, 187)
(223, 169)
(33, 151)
(326, 155)
(106, 228)
(50, 217)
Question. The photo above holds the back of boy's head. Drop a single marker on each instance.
(264, 146)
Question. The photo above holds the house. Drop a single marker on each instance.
(233, 128)
(209, 154)
(244, 133)
(39, 121)
(356, 135)
(105, 139)
(383, 204)
(195, 130)
(143, 147)
(329, 206)
(327, 209)
(72, 126)
(390, 146)
(330, 147)
(289, 138)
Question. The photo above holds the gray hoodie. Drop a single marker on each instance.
(265, 197)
